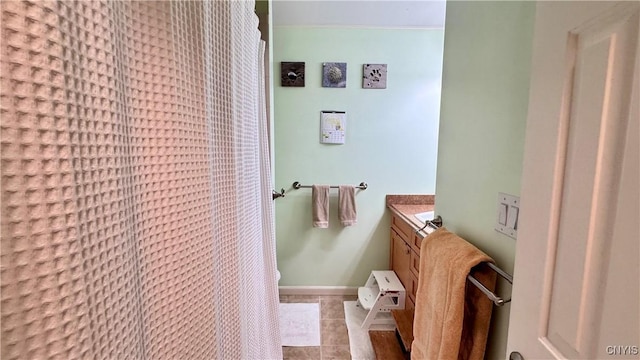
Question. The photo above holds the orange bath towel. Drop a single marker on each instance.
(451, 316)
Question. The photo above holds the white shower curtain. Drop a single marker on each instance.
(137, 219)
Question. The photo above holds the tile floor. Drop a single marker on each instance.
(334, 338)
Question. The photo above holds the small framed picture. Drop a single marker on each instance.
(292, 74)
(334, 75)
(374, 76)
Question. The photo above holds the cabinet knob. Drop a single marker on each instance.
(408, 249)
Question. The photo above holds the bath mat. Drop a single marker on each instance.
(300, 324)
(359, 343)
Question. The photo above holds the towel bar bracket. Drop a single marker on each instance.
(276, 194)
(435, 223)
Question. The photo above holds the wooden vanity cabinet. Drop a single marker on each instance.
(405, 256)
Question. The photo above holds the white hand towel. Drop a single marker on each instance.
(347, 205)
(320, 205)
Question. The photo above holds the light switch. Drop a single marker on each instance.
(502, 214)
(512, 217)
(507, 216)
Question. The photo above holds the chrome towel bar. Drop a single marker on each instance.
(363, 186)
(497, 300)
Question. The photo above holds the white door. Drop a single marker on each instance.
(576, 290)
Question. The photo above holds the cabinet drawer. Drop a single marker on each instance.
(402, 228)
(407, 233)
(415, 263)
(417, 242)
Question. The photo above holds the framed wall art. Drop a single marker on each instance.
(374, 76)
(334, 74)
(292, 74)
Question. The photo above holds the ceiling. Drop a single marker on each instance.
(360, 13)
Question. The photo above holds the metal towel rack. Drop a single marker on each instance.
(497, 300)
(363, 186)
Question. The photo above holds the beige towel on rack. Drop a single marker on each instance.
(347, 205)
(320, 205)
(451, 315)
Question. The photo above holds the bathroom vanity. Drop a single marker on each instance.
(405, 244)
(404, 260)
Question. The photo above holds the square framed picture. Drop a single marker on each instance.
(292, 74)
(334, 75)
(374, 76)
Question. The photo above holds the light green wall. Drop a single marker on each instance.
(485, 91)
(391, 144)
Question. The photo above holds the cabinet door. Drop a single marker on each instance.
(401, 259)
(408, 303)
(412, 287)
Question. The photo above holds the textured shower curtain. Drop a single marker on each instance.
(137, 219)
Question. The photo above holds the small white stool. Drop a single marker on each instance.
(382, 293)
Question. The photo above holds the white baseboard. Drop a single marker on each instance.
(318, 290)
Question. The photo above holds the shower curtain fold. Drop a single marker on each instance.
(135, 179)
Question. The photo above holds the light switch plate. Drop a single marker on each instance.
(507, 214)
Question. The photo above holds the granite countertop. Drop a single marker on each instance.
(406, 206)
